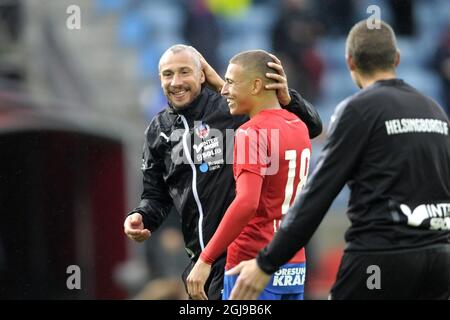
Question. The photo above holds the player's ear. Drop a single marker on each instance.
(202, 76)
(258, 86)
(397, 59)
(350, 63)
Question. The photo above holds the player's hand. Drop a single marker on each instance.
(251, 281)
(196, 280)
(212, 77)
(281, 85)
(134, 228)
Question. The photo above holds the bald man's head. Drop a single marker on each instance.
(181, 75)
(175, 49)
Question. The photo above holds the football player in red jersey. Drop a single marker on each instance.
(271, 160)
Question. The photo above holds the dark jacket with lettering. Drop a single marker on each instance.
(188, 164)
(391, 145)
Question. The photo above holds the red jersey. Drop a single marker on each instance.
(275, 146)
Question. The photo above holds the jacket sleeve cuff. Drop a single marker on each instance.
(265, 264)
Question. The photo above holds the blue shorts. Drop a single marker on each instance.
(285, 284)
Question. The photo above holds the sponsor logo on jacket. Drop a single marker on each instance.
(438, 215)
(202, 130)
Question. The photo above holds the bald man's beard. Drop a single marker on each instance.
(173, 96)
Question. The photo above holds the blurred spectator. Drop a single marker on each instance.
(403, 15)
(228, 8)
(167, 261)
(441, 62)
(201, 30)
(294, 38)
(10, 20)
(168, 258)
(10, 30)
(337, 15)
(323, 275)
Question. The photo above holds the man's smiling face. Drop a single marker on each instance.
(181, 77)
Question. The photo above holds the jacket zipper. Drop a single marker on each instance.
(194, 182)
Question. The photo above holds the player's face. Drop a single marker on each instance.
(237, 90)
(181, 78)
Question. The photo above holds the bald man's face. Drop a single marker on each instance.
(181, 78)
(237, 90)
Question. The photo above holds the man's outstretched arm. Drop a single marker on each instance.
(156, 202)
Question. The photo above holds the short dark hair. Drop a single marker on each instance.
(255, 61)
(372, 49)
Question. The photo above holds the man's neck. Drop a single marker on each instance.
(266, 103)
(366, 81)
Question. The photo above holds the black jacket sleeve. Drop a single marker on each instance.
(156, 202)
(347, 138)
(306, 112)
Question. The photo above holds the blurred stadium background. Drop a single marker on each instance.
(74, 104)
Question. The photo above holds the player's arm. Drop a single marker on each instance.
(347, 137)
(292, 101)
(155, 202)
(237, 216)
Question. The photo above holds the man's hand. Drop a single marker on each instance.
(196, 280)
(212, 77)
(251, 281)
(281, 86)
(134, 228)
